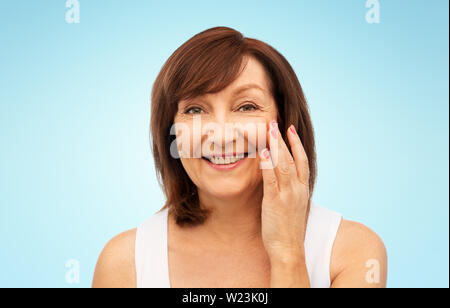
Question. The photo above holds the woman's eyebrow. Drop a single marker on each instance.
(235, 92)
(246, 87)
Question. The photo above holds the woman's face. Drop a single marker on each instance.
(213, 127)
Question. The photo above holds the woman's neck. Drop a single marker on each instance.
(235, 220)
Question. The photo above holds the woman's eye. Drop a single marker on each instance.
(248, 107)
(193, 110)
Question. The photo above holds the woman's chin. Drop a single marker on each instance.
(225, 191)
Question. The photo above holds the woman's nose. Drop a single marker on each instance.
(221, 131)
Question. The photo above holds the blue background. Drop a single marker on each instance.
(76, 167)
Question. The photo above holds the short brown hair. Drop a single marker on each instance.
(207, 63)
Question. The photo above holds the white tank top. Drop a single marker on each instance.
(152, 269)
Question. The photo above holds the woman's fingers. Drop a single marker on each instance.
(300, 157)
(286, 167)
(282, 159)
(270, 182)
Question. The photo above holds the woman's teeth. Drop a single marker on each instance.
(225, 161)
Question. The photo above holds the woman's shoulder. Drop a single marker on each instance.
(349, 234)
(115, 266)
(359, 256)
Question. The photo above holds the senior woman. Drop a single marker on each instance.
(238, 210)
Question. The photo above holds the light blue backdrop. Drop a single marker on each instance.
(74, 115)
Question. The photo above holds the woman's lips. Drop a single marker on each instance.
(225, 166)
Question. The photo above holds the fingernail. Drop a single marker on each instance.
(274, 124)
(292, 128)
(266, 154)
(274, 134)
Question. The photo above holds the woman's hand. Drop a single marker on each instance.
(285, 202)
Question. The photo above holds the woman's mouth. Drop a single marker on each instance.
(225, 161)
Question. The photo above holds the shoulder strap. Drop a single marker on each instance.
(151, 252)
(321, 231)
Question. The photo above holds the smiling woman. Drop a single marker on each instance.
(240, 213)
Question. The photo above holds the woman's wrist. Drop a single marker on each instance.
(288, 270)
(288, 257)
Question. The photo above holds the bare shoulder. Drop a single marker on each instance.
(359, 257)
(115, 266)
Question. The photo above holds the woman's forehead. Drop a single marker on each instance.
(252, 79)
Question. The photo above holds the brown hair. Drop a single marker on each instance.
(207, 63)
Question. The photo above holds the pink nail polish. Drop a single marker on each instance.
(266, 154)
(293, 129)
(274, 133)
